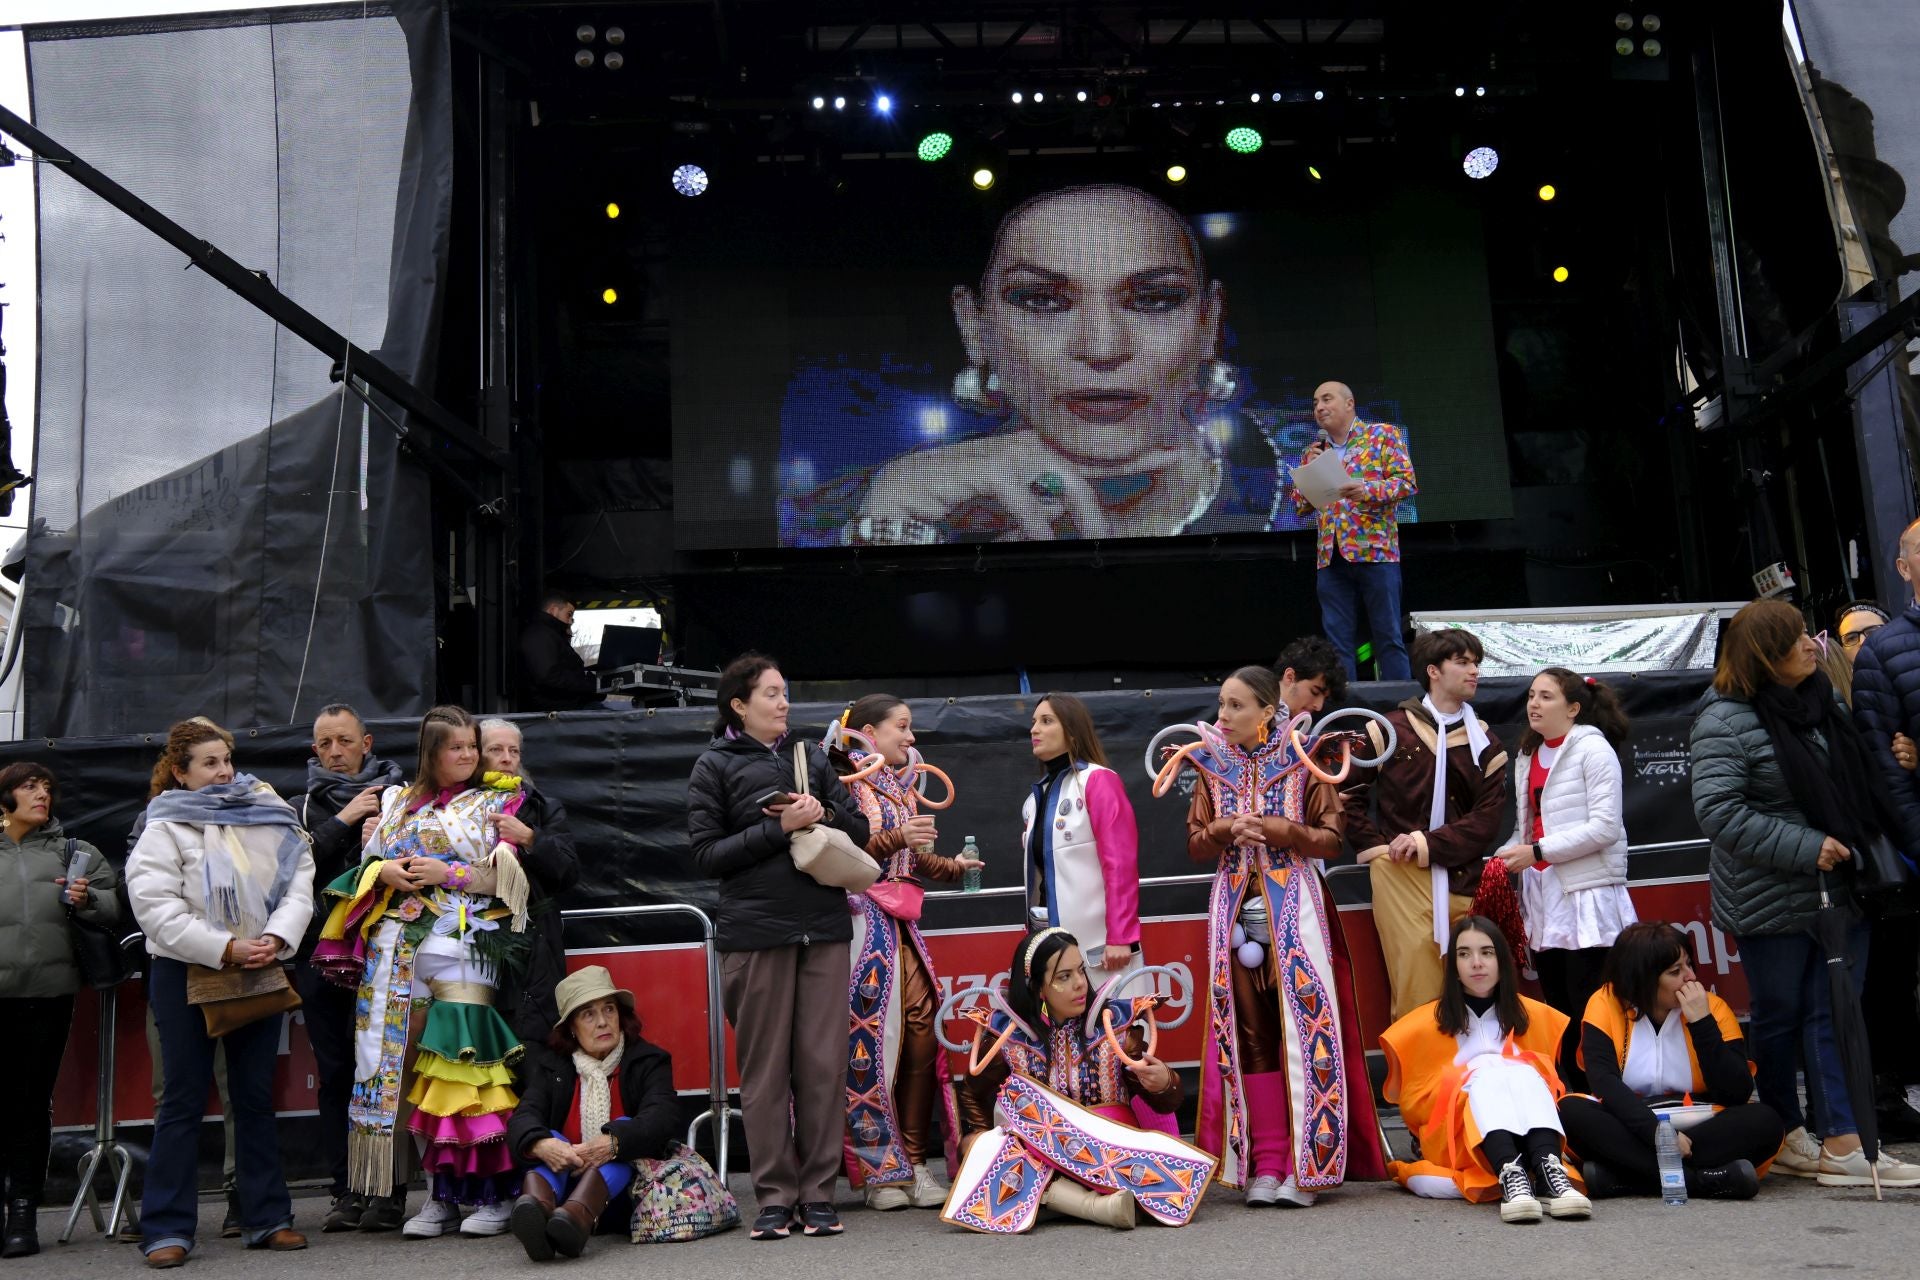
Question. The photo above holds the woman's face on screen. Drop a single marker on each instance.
(1095, 319)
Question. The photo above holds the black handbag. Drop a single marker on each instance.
(96, 948)
(1883, 879)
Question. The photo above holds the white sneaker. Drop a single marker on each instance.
(488, 1219)
(436, 1219)
(1291, 1196)
(1799, 1155)
(1851, 1171)
(928, 1191)
(887, 1197)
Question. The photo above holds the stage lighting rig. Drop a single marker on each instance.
(691, 180)
(1244, 140)
(1481, 162)
(935, 146)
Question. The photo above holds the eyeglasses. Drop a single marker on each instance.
(1851, 640)
(1063, 980)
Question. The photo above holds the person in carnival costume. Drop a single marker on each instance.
(1285, 1100)
(1473, 1075)
(895, 1085)
(1047, 1109)
(418, 928)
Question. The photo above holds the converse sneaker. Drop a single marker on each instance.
(488, 1219)
(1851, 1171)
(1517, 1203)
(1563, 1198)
(435, 1219)
(1263, 1191)
(1799, 1155)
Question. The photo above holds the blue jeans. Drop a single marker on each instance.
(1787, 982)
(170, 1208)
(1344, 588)
(618, 1175)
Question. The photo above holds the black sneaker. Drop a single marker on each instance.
(1517, 1201)
(345, 1213)
(230, 1225)
(1602, 1182)
(384, 1213)
(1563, 1199)
(817, 1218)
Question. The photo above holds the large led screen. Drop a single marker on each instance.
(926, 367)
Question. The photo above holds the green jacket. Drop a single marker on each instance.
(1763, 870)
(36, 956)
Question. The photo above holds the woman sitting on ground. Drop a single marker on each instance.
(1654, 1036)
(1055, 1092)
(597, 1097)
(1473, 1075)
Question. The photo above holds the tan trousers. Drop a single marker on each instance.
(788, 1008)
(1403, 917)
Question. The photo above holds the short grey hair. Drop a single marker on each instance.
(497, 723)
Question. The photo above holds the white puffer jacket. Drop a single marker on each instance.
(166, 884)
(1584, 837)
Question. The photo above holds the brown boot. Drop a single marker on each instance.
(530, 1214)
(170, 1256)
(574, 1221)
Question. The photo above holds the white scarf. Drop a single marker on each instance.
(596, 1097)
(1437, 814)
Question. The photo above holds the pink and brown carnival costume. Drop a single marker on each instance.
(896, 1082)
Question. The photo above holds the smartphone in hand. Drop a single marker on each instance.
(772, 798)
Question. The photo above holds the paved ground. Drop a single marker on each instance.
(1795, 1228)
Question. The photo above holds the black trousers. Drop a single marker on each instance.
(36, 1030)
(1888, 997)
(1750, 1131)
(328, 1010)
(1568, 980)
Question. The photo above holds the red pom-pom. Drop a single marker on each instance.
(1498, 899)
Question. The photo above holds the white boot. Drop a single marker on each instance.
(1064, 1195)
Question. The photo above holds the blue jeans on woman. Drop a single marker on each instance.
(1788, 992)
(170, 1208)
(618, 1175)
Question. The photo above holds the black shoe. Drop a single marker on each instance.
(817, 1218)
(774, 1222)
(345, 1213)
(384, 1213)
(1735, 1181)
(1898, 1121)
(23, 1234)
(1602, 1182)
(230, 1225)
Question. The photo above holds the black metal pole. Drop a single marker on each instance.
(256, 288)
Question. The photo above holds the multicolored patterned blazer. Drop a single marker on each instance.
(1365, 530)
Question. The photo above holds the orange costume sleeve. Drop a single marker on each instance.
(1429, 1088)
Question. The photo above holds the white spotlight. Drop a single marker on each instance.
(1459, 91)
(1276, 97)
(839, 104)
(1081, 96)
(1018, 97)
(1255, 98)
(1039, 97)
(883, 104)
(1481, 162)
(1319, 95)
(819, 103)
(690, 180)
(1480, 92)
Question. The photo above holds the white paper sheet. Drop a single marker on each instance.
(1321, 480)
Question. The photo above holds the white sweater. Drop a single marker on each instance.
(1584, 837)
(167, 888)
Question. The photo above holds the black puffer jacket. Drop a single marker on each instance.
(764, 901)
(553, 865)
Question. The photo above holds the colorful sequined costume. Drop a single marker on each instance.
(896, 1082)
(442, 947)
(1055, 1101)
(1283, 1078)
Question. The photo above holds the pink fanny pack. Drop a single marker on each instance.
(901, 899)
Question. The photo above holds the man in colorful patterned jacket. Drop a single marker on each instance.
(1359, 553)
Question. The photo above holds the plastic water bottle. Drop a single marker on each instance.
(1673, 1175)
(970, 879)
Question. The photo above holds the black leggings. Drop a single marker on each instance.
(1568, 980)
(1750, 1131)
(1502, 1146)
(36, 1029)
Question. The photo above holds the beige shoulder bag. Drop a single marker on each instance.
(826, 853)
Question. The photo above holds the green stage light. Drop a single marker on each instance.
(1244, 140)
(935, 146)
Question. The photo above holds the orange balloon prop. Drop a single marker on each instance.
(929, 801)
(1153, 1034)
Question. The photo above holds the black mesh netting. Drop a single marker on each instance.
(216, 528)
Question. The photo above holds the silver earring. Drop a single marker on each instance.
(1219, 381)
(976, 389)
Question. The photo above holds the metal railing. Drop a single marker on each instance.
(718, 1113)
(105, 1147)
